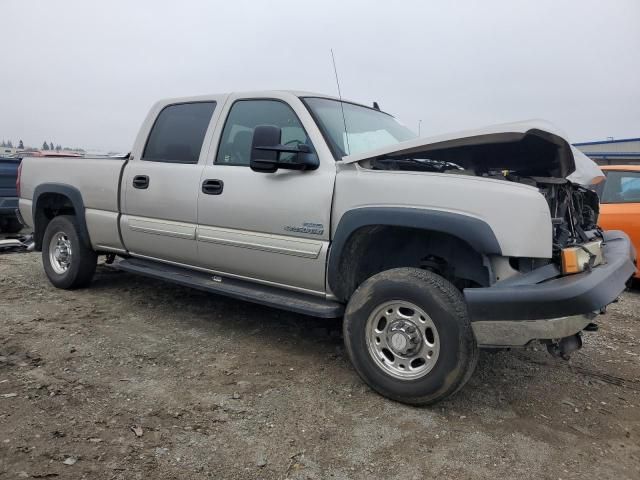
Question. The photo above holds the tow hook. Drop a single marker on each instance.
(564, 347)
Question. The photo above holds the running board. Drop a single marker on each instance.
(239, 289)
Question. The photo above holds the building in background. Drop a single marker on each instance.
(612, 152)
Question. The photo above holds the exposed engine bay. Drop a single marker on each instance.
(574, 211)
(536, 158)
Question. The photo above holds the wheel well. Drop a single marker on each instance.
(375, 248)
(48, 206)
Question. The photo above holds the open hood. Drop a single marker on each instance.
(587, 171)
(534, 148)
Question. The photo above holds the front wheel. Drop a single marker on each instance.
(68, 262)
(408, 335)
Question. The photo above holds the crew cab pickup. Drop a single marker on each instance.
(428, 248)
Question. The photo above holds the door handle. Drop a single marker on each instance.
(141, 181)
(212, 187)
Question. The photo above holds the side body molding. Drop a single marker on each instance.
(477, 233)
(74, 195)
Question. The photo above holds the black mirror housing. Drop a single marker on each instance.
(266, 149)
(265, 160)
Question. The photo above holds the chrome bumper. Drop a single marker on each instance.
(518, 333)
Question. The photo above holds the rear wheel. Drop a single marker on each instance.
(408, 335)
(68, 262)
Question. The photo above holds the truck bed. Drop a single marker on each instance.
(95, 181)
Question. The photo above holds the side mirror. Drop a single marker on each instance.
(266, 149)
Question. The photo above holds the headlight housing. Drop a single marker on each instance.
(583, 257)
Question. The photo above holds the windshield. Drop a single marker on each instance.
(362, 129)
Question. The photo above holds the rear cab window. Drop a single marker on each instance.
(178, 133)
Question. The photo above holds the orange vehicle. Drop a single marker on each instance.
(620, 202)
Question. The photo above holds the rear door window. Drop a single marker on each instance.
(178, 133)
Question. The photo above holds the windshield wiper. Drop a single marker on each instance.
(421, 164)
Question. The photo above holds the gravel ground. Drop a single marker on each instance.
(134, 378)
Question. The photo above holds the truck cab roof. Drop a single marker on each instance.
(255, 94)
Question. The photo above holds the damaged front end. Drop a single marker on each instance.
(525, 153)
(577, 239)
(552, 297)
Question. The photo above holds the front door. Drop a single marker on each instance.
(161, 187)
(620, 205)
(270, 227)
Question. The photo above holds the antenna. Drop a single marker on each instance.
(344, 120)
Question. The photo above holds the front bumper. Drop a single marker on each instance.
(536, 297)
(518, 333)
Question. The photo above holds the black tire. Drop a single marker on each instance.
(11, 225)
(83, 261)
(444, 304)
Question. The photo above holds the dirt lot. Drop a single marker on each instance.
(138, 379)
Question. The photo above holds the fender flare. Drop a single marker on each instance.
(74, 195)
(477, 233)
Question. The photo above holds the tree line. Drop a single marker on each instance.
(45, 146)
(9, 144)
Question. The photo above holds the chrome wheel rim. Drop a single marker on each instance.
(402, 340)
(60, 252)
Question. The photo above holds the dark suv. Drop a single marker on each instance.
(9, 222)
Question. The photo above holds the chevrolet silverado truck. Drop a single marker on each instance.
(428, 248)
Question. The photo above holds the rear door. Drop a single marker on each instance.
(161, 186)
(269, 227)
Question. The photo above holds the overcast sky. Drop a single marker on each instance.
(84, 73)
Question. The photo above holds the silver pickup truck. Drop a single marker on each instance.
(429, 248)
